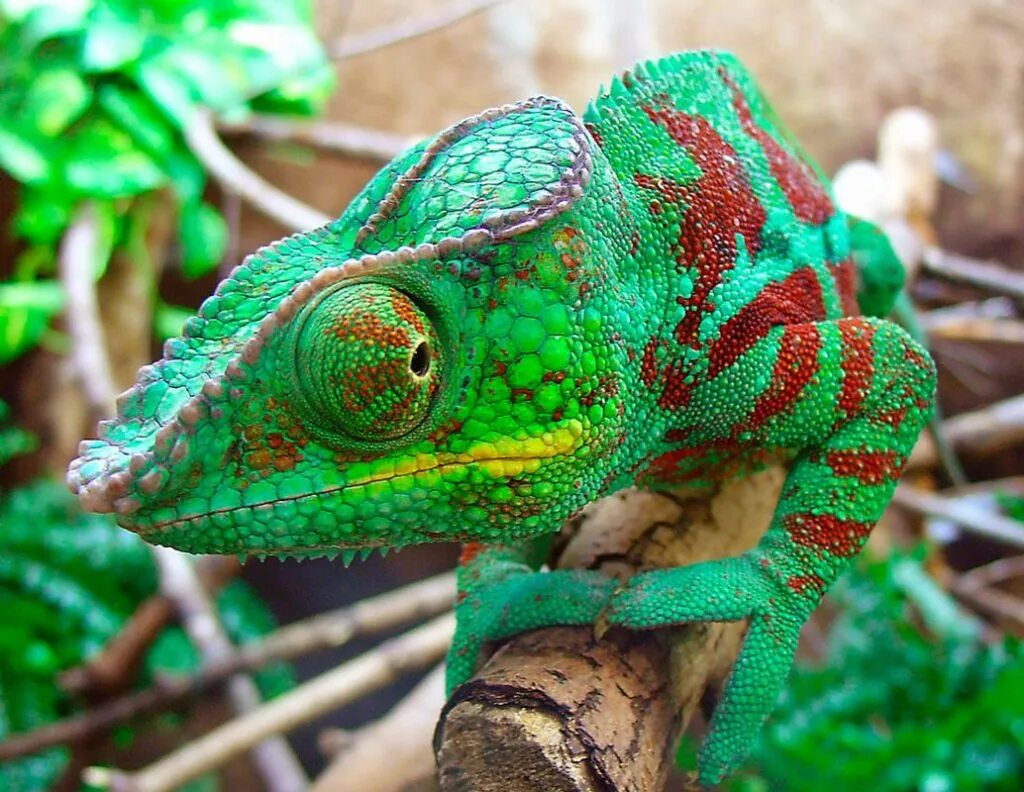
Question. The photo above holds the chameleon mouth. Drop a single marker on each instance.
(501, 460)
(163, 525)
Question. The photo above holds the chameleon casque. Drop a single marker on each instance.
(521, 315)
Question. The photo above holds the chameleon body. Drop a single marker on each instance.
(521, 315)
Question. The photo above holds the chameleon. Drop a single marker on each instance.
(525, 313)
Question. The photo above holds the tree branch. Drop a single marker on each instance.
(971, 518)
(347, 139)
(419, 600)
(400, 655)
(278, 766)
(202, 139)
(399, 741)
(998, 426)
(408, 29)
(983, 274)
(78, 268)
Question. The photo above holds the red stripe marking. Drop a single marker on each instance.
(827, 533)
(846, 276)
(795, 300)
(798, 181)
(649, 363)
(857, 363)
(470, 550)
(869, 467)
(795, 367)
(801, 584)
(719, 205)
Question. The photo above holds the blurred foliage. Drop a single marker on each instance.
(1012, 505)
(13, 440)
(93, 97)
(908, 697)
(68, 582)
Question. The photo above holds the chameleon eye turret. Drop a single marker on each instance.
(365, 363)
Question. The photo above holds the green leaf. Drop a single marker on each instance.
(40, 20)
(42, 215)
(204, 238)
(55, 99)
(25, 311)
(110, 43)
(140, 118)
(21, 157)
(104, 161)
(167, 90)
(170, 319)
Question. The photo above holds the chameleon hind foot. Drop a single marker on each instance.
(730, 589)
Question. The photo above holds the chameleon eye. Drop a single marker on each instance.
(366, 362)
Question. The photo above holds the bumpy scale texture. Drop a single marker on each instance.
(521, 315)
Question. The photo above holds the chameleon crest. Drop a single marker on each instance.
(523, 314)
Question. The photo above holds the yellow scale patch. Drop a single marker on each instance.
(506, 456)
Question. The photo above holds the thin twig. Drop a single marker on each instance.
(967, 516)
(976, 587)
(202, 139)
(998, 426)
(347, 139)
(420, 600)
(990, 308)
(278, 766)
(113, 669)
(403, 654)
(1003, 331)
(407, 29)
(401, 741)
(984, 274)
(78, 268)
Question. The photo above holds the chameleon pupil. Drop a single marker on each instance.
(420, 363)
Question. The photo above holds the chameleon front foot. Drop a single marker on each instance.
(727, 590)
(520, 600)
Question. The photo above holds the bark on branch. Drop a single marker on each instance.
(564, 709)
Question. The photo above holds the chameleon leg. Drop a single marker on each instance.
(853, 430)
(501, 594)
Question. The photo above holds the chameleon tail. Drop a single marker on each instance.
(880, 293)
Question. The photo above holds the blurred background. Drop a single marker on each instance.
(140, 148)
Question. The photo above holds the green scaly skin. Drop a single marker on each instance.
(522, 315)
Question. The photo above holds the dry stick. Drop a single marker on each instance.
(420, 600)
(967, 516)
(178, 579)
(202, 139)
(78, 268)
(562, 709)
(386, 36)
(347, 139)
(998, 426)
(990, 308)
(1004, 331)
(984, 274)
(279, 768)
(408, 652)
(113, 670)
(976, 587)
(399, 741)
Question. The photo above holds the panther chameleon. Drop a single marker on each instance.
(521, 315)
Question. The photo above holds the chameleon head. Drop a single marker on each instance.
(339, 391)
